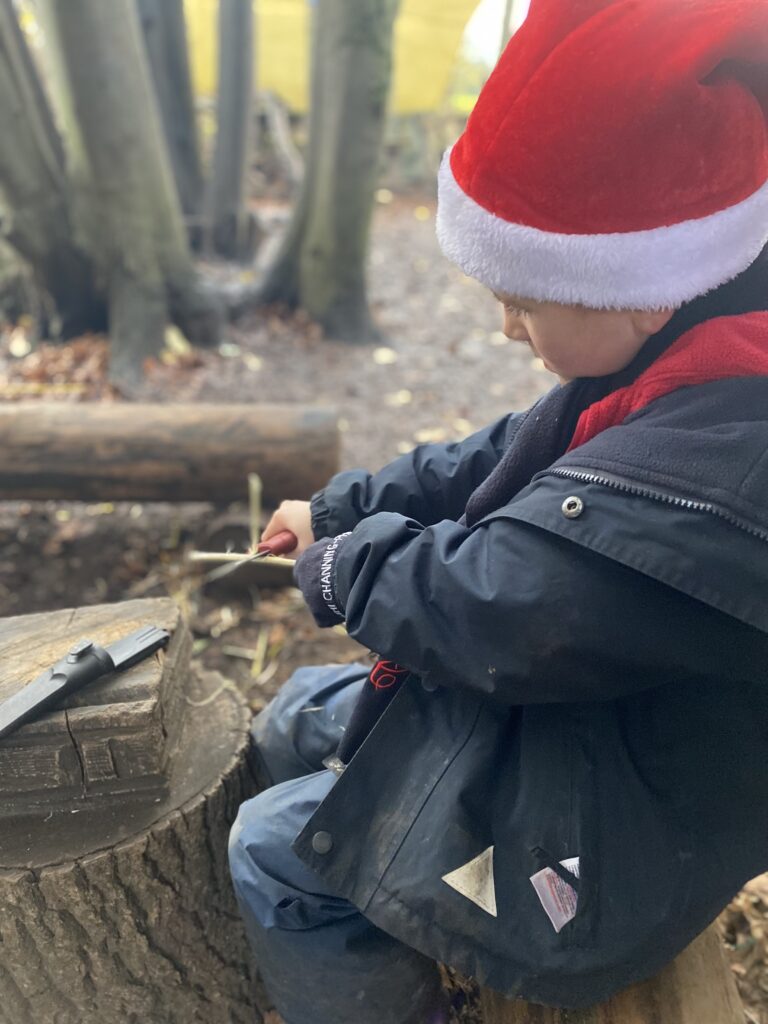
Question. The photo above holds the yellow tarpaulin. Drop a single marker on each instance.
(428, 34)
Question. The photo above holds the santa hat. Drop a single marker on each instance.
(617, 157)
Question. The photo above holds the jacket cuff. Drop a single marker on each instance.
(341, 504)
(315, 576)
(321, 514)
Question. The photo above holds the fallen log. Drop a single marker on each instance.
(696, 988)
(115, 898)
(137, 452)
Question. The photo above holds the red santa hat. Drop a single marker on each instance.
(617, 157)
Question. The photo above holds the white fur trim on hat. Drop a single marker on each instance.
(657, 269)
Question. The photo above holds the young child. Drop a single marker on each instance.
(570, 781)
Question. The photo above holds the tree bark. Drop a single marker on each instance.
(19, 292)
(120, 166)
(165, 35)
(128, 451)
(116, 905)
(321, 264)
(232, 227)
(697, 987)
(37, 217)
(285, 148)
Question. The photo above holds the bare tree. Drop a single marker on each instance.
(119, 169)
(36, 216)
(321, 264)
(232, 228)
(165, 35)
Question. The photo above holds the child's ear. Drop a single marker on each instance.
(651, 322)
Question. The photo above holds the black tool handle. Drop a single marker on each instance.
(82, 665)
(85, 663)
(380, 687)
(139, 645)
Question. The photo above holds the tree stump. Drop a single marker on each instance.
(116, 905)
(697, 988)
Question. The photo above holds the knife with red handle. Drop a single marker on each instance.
(281, 544)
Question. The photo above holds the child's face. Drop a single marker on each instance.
(573, 341)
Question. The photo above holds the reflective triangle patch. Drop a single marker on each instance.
(475, 881)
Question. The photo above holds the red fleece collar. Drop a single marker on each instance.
(735, 346)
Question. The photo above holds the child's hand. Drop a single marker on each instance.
(296, 517)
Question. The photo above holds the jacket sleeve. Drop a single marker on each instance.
(431, 483)
(517, 613)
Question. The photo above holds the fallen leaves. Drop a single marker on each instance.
(252, 362)
(76, 370)
(37, 389)
(19, 344)
(66, 533)
(176, 342)
(399, 398)
(384, 356)
(459, 429)
(177, 351)
(221, 620)
(449, 303)
(430, 435)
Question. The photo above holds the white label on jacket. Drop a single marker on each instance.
(557, 897)
(475, 881)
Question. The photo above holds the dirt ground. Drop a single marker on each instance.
(442, 369)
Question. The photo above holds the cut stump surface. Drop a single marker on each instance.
(697, 988)
(118, 908)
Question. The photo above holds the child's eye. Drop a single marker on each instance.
(516, 312)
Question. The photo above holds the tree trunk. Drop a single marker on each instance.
(285, 148)
(121, 168)
(697, 988)
(37, 218)
(19, 294)
(116, 904)
(165, 35)
(129, 451)
(321, 265)
(232, 228)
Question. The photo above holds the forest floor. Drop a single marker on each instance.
(442, 369)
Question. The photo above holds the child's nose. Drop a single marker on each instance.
(514, 328)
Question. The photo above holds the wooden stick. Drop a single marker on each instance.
(254, 508)
(221, 556)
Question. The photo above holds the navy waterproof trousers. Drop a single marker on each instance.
(322, 962)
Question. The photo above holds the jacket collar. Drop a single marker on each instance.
(720, 349)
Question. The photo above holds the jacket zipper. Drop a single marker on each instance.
(627, 487)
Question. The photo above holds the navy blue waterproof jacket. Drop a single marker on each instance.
(589, 679)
